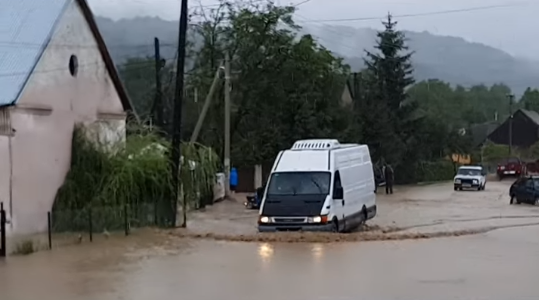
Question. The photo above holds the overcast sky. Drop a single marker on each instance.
(513, 28)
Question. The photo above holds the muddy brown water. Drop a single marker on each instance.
(501, 264)
(202, 265)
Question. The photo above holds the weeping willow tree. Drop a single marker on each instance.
(132, 181)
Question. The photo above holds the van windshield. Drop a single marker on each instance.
(299, 183)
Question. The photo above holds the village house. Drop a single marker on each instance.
(524, 128)
(55, 72)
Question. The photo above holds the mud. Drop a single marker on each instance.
(322, 237)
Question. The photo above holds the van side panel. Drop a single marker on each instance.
(355, 167)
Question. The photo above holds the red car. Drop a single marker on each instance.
(513, 166)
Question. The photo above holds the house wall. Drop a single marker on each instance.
(52, 102)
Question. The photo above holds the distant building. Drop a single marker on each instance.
(525, 130)
(55, 71)
(480, 132)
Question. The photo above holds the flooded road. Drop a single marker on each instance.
(498, 264)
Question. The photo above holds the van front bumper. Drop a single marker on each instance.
(295, 227)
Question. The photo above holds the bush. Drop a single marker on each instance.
(435, 170)
(135, 176)
(425, 171)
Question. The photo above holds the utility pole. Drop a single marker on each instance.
(175, 152)
(157, 109)
(206, 106)
(227, 125)
(510, 97)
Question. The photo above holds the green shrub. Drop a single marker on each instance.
(425, 171)
(435, 170)
(133, 180)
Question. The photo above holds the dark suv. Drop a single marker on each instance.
(525, 190)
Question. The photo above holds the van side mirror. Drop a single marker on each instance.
(338, 193)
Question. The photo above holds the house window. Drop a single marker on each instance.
(5, 121)
(73, 65)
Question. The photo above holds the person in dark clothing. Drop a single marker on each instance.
(389, 177)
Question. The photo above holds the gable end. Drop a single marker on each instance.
(109, 63)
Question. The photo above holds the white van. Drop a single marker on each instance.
(319, 185)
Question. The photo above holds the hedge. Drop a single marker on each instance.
(425, 171)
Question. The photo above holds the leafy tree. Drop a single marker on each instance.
(285, 86)
(530, 99)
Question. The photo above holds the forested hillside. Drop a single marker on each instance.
(450, 59)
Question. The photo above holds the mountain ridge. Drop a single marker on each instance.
(448, 58)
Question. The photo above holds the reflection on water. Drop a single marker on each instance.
(265, 251)
(317, 251)
(158, 268)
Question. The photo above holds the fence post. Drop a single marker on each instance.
(90, 225)
(49, 229)
(126, 220)
(3, 246)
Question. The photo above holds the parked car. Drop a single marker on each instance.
(525, 190)
(512, 166)
(470, 177)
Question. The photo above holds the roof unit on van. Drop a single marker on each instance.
(322, 144)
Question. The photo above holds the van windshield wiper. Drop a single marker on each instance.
(317, 185)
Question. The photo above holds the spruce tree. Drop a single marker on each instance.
(390, 72)
(391, 66)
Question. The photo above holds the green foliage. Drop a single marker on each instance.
(286, 86)
(530, 99)
(458, 106)
(493, 153)
(132, 181)
(440, 170)
(393, 117)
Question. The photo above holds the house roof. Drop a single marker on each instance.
(480, 132)
(26, 29)
(532, 115)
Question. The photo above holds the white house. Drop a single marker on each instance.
(55, 71)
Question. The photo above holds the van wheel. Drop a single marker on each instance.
(334, 225)
(514, 200)
(364, 215)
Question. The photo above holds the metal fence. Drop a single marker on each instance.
(85, 223)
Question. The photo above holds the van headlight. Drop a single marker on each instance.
(264, 219)
(457, 180)
(318, 219)
(475, 181)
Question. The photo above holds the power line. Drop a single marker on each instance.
(432, 13)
